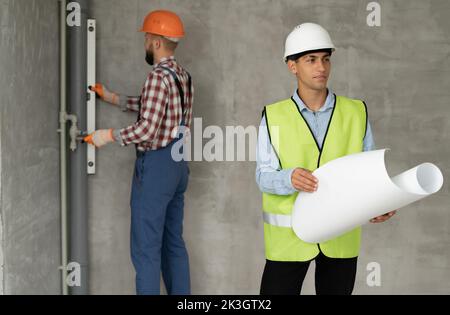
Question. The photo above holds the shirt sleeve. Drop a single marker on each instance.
(269, 176)
(129, 103)
(153, 106)
(368, 143)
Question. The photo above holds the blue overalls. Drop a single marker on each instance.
(157, 202)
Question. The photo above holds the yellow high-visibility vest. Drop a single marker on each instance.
(296, 147)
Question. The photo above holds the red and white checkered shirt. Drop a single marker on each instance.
(160, 108)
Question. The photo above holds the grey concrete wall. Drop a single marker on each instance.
(234, 52)
(29, 146)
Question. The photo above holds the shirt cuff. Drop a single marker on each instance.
(288, 181)
(118, 137)
(123, 103)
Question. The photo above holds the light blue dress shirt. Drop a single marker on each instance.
(269, 175)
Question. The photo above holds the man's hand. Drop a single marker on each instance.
(383, 217)
(100, 138)
(304, 180)
(104, 94)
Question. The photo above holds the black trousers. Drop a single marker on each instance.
(333, 276)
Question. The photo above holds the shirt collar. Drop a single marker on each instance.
(329, 102)
(165, 60)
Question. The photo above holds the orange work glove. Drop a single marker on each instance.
(100, 138)
(105, 94)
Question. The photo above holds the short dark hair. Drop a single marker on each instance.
(168, 44)
(299, 55)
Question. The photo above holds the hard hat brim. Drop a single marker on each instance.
(304, 53)
(308, 50)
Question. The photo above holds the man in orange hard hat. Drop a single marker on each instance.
(160, 180)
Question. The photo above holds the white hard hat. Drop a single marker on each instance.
(307, 37)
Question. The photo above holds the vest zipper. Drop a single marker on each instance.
(324, 138)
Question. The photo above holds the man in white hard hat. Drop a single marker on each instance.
(297, 136)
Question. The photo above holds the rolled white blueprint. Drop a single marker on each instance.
(354, 189)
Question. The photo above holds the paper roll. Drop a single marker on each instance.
(353, 190)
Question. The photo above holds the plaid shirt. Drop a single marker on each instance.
(159, 108)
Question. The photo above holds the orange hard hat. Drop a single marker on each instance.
(163, 22)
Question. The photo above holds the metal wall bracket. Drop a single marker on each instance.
(75, 134)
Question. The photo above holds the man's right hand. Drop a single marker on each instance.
(304, 180)
(104, 94)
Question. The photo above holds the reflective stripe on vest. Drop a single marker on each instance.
(277, 219)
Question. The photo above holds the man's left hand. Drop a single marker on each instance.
(383, 217)
(100, 138)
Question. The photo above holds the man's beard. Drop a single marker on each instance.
(150, 58)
